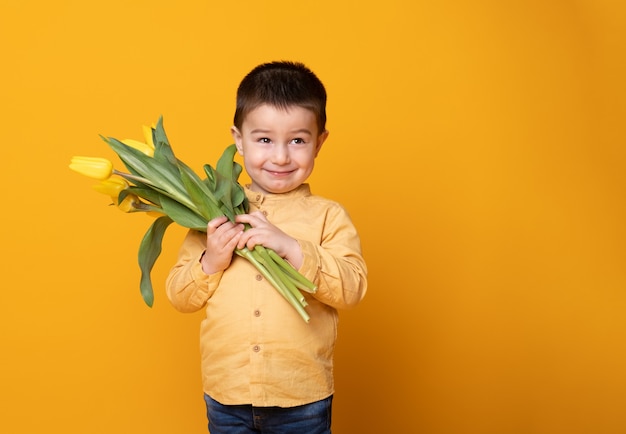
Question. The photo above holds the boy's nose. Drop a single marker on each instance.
(280, 155)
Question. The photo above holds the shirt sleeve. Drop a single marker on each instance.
(336, 265)
(188, 287)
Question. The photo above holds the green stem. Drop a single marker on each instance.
(300, 281)
(256, 260)
(298, 284)
(279, 274)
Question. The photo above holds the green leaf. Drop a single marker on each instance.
(228, 212)
(159, 173)
(237, 169)
(211, 177)
(148, 194)
(199, 193)
(225, 180)
(238, 194)
(244, 207)
(162, 150)
(149, 251)
(183, 215)
(159, 132)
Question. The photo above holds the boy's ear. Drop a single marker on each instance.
(237, 138)
(320, 141)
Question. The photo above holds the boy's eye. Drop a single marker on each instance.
(298, 141)
(264, 140)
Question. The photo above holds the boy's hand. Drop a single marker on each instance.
(263, 233)
(222, 237)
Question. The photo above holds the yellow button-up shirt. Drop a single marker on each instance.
(255, 348)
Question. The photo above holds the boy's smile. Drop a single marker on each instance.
(278, 146)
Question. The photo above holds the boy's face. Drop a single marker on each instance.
(278, 147)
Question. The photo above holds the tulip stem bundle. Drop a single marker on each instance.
(158, 181)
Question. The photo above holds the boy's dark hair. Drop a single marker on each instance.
(281, 85)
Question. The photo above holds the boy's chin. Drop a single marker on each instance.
(274, 189)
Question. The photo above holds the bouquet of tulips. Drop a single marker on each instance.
(160, 184)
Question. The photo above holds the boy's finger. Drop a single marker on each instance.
(215, 223)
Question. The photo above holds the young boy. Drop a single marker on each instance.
(264, 369)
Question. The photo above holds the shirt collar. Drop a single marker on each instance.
(256, 198)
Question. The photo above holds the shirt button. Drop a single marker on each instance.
(264, 213)
(257, 312)
(256, 348)
(258, 197)
(259, 277)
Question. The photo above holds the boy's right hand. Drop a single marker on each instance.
(222, 237)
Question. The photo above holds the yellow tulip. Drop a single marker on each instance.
(147, 149)
(111, 187)
(131, 203)
(147, 135)
(93, 167)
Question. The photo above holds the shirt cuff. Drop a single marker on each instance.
(205, 283)
(311, 262)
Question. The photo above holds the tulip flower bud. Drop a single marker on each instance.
(147, 135)
(140, 146)
(93, 167)
(130, 203)
(111, 187)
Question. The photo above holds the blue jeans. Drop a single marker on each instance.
(311, 418)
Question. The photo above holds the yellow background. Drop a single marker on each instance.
(479, 146)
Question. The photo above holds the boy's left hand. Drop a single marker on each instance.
(263, 233)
